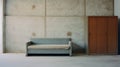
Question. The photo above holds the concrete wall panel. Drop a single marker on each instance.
(1, 26)
(117, 8)
(19, 30)
(25, 7)
(99, 7)
(65, 7)
(59, 26)
(61, 16)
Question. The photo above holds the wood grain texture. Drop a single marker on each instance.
(92, 35)
(103, 34)
(112, 33)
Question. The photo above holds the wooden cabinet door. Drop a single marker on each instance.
(101, 35)
(92, 35)
(103, 32)
(112, 35)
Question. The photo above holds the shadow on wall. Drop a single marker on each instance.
(119, 36)
(77, 49)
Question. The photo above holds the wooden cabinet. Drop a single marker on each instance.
(103, 33)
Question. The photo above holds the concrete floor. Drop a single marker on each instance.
(20, 60)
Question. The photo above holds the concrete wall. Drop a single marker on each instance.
(20, 29)
(51, 18)
(65, 7)
(99, 7)
(117, 8)
(1, 26)
(25, 7)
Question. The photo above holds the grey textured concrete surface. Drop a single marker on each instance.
(99, 7)
(18, 60)
(1, 26)
(24, 19)
(117, 8)
(65, 7)
(60, 26)
(19, 30)
(25, 7)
